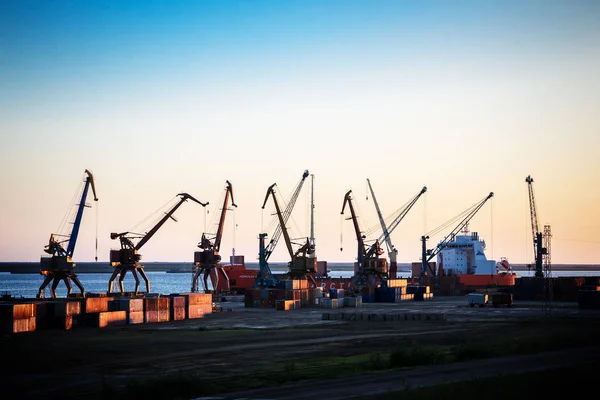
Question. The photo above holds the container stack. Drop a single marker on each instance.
(420, 293)
(589, 294)
(96, 312)
(134, 309)
(18, 318)
(156, 309)
(393, 291)
(285, 305)
(566, 288)
(289, 294)
(177, 310)
(529, 288)
(59, 314)
(197, 304)
(353, 301)
(328, 302)
(99, 310)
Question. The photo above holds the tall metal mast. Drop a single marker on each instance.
(313, 253)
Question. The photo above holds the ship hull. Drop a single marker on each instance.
(484, 280)
(242, 279)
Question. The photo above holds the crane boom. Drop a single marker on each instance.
(534, 222)
(387, 230)
(184, 197)
(207, 261)
(402, 213)
(285, 215)
(369, 268)
(386, 233)
(265, 276)
(60, 265)
(228, 192)
(89, 180)
(427, 255)
(359, 237)
(282, 223)
(127, 258)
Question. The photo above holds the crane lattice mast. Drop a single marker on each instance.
(538, 249)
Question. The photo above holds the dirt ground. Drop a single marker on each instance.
(238, 340)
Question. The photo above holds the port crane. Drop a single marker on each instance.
(369, 267)
(265, 276)
(127, 258)
(60, 265)
(388, 229)
(538, 248)
(428, 254)
(302, 265)
(207, 261)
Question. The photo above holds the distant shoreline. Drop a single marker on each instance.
(104, 267)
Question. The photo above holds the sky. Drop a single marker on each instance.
(158, 98)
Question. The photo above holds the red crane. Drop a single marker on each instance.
(207, 261)
(370, 267)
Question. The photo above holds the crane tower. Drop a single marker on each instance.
(539, 250)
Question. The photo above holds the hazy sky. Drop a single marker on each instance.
(162, 97)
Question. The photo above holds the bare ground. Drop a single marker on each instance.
(240, 342)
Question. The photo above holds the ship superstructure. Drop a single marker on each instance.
(466, 255)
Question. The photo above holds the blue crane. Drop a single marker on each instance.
(60, 265)
(265, 276)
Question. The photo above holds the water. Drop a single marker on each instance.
(27, 285)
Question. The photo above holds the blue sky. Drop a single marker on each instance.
(157, 98)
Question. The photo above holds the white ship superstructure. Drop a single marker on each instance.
(466, 255)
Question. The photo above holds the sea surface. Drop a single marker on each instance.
(27, 285)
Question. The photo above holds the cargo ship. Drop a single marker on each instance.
(464, 257)
(242, 278)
